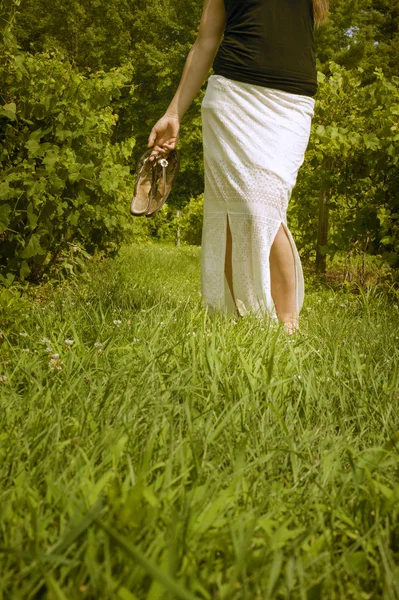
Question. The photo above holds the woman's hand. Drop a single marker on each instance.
(164, 135)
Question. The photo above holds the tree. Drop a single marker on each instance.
(352, 154)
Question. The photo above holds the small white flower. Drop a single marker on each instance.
(299, 376)
(136, 340)
(23, 334)
(98, 345)
(337, 373)
(55, 364)
(117, 322)
(45, 341)
(69, 342)
(49, 349)
(3, 378)
(25, 350)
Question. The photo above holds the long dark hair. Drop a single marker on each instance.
(320, 10)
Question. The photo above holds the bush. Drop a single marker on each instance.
(191, 221)
(63, 182)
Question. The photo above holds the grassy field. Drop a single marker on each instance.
(150, 452)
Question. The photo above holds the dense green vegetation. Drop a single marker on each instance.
(66, 179)
(149, 451)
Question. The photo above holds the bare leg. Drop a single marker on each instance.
(228, 263)
(282, 273)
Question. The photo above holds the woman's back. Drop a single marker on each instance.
(269, 43)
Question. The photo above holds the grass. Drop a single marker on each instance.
(164, 454)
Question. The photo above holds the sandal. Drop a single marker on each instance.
(167, 170)
(145, 187)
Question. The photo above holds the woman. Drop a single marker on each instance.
(256, 120)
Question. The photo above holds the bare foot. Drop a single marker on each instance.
(291, 327)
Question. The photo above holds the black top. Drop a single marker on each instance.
(269, 43)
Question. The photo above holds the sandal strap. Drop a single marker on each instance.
(164, 163)
(152, 190)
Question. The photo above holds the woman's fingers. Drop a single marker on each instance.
(163, 137)
(162, 148)
(158, 150)
(152, 137)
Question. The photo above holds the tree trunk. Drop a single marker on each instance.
(178, 229)
(322, 235)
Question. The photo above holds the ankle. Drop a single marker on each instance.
(291, 327)
(290, 322)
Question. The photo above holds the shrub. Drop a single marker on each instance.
(191, 221)
(63, 182)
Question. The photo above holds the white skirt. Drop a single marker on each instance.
(254, 142)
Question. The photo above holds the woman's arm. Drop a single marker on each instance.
(200, 57)
(198, 63)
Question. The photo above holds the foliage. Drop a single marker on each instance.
(360, 33)
(155, 37)
(191, 221)
(357, 54)
(363, 146)
(149, 451)
(63, 183)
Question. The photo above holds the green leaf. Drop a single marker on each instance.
(33, 247)
(4, 190)
(5, 211)
(124, 594)
(39, 110)
(32, 218)
(371, 141)
(24, 270)
(74, 173)
(8, 279)
(33, 146)
(9, 111)
(53, 586)
(73, 218)
(274, 574)
(386, 240)
(170, 584)
(51, 158)
(74, 531)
